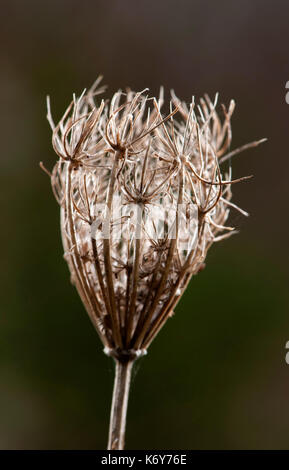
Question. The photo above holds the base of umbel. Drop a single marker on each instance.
(125, 354)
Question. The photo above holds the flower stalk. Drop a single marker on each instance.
(117, 426)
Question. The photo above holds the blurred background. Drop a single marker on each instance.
(216, 376)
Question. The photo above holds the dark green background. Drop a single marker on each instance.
(216, 376)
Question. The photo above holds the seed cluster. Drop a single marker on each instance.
(120, 158)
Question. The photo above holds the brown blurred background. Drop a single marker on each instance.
(216, 376)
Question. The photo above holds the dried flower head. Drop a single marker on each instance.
(142, 199)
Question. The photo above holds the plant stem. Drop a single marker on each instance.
(121, 387)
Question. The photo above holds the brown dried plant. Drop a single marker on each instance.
(131, 271)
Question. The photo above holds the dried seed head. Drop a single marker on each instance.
(142, 199)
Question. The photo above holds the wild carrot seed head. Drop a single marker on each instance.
(142, 199)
